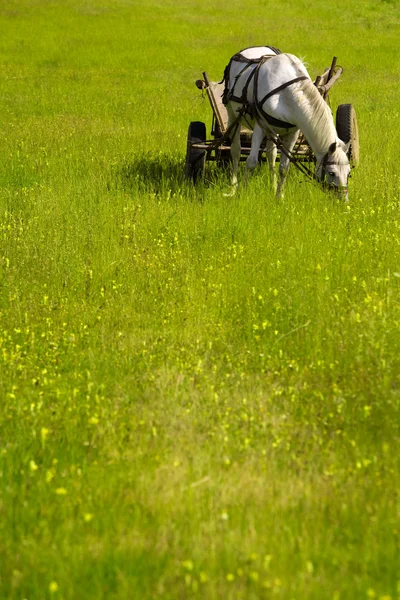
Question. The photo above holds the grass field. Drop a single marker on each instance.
(199, 395)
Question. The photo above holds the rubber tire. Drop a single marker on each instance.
(347, 130)
(195, 159)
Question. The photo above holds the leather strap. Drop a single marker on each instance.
(259, 105)
(282, 87)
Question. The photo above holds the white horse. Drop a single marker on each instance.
(273, 94)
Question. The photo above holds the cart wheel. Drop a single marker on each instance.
(347, 130)
(195, 159)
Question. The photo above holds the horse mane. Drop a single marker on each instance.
(317, 111)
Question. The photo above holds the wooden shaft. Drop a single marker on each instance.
(325, 88)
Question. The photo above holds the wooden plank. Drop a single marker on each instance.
(214, 92)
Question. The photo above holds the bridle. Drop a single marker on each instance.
(342, 189)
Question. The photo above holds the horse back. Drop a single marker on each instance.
(244, 63)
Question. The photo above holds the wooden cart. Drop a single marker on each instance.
(199, 150)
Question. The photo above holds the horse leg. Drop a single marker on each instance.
(252, 159)
(271, 152)
(235, 147)
(288, 141)
(235, 153)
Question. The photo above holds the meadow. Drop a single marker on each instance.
(200, 395)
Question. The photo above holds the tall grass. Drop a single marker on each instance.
(200, 394)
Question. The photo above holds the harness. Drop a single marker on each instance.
(256, 105)
(249, 62)
(259, 105)
(324, 163)
(300, 166)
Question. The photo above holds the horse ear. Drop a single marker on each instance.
(332, 148)
(346, 147)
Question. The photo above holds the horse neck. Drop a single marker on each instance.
(314, 119)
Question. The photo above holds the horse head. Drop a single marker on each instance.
(334, 169)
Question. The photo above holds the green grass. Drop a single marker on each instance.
(199, 394)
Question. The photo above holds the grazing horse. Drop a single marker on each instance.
(273, 94)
